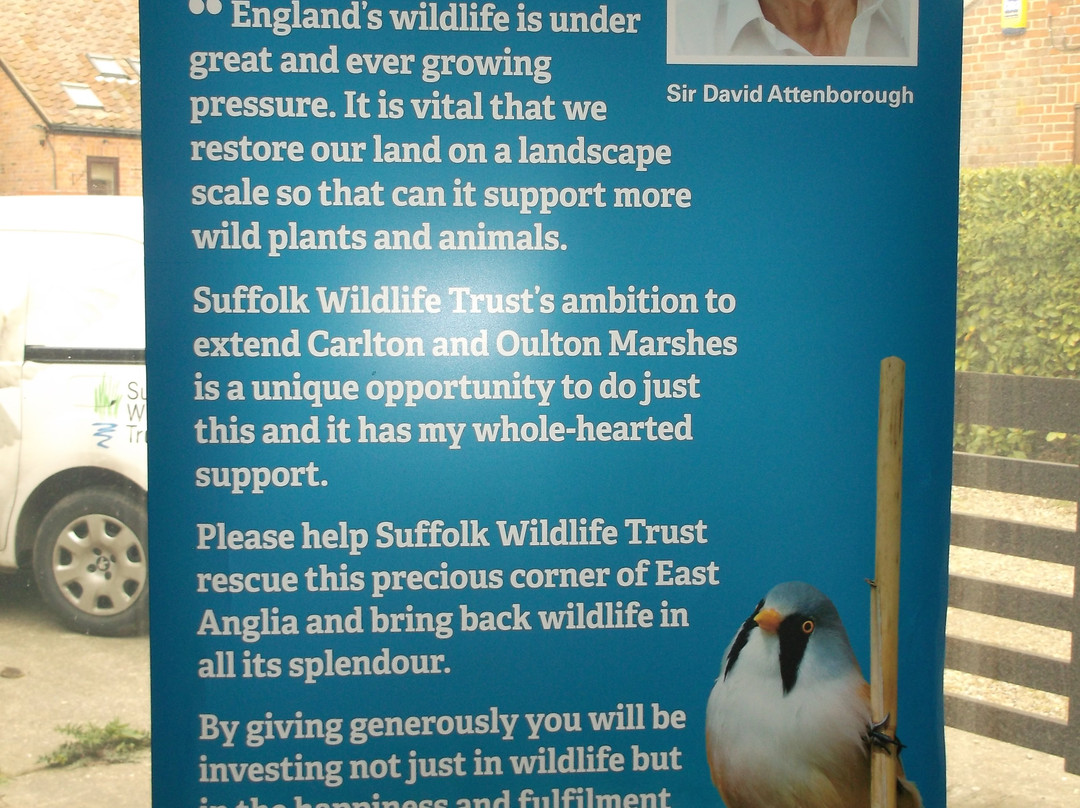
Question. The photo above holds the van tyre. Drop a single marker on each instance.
(90, 560)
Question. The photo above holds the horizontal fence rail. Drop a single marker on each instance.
(1014, 538)
(1024, 402)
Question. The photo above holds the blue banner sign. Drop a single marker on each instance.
(503, 357)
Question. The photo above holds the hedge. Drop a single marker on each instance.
(1018, 287)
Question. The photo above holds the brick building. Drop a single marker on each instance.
(69, 97)
(1021, 87)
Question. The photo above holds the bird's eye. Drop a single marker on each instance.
(808, 627)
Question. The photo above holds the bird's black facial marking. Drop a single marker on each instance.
(741, 638)
(794, 634)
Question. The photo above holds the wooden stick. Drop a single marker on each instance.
(885, 592)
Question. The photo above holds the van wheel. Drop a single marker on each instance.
(90, 562)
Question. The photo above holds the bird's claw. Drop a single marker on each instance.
(883, 740)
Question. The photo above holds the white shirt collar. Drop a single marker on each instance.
(735, 15)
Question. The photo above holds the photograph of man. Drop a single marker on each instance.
(783, 31)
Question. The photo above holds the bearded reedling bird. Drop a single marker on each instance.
(788, 722)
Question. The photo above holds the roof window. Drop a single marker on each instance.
(81, 95)
(107, 66)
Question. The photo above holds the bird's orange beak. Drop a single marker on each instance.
(769, 620)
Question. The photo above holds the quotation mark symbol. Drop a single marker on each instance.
(199, 6)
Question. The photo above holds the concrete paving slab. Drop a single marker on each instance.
(50, 677)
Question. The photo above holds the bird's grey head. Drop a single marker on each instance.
(801, 617)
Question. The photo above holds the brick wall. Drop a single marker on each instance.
(1019, 97)
(72, 152)
(27, 164)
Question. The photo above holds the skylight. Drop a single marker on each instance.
(81, 95)
(107, 66)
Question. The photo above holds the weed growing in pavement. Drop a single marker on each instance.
(115, 742)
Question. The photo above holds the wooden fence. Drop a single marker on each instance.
(1050, 405)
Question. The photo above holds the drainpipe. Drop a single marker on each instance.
(47, 141)
(1076, 134)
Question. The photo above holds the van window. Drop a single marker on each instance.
(102, 305)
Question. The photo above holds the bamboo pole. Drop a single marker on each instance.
(885, 592)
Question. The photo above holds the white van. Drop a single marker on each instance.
(73, 406)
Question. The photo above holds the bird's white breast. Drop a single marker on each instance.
(799, 750)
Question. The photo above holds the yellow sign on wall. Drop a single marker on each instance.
(1014, 17)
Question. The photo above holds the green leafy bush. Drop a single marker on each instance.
(1018, 290)
(1018, 270)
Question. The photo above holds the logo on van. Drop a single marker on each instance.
(107, 398)
(104, 433)
(106, 405)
